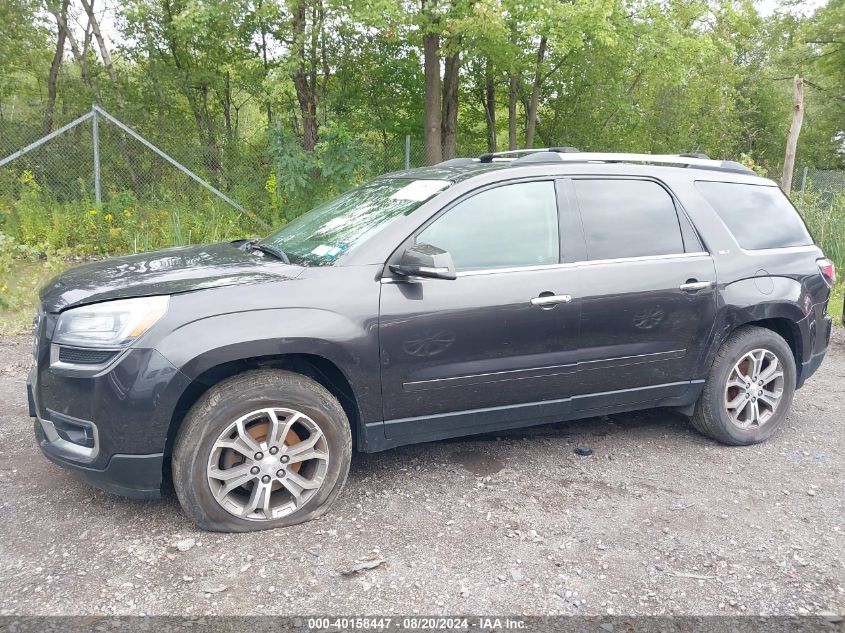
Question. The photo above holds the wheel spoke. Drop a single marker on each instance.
(737, 382)
(772, 372)
(741, 410)
(304, 450)
(232, 477)
(297, 484)
(756, 363)
(247, 449)
(258, 498)
(770, 398)
(755, 413)
(733, 404)
(227, 474)
(279, 430)
(244, 443)
(304, 456)
(246, 437)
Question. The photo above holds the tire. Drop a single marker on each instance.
(711, 415)
(241, 406)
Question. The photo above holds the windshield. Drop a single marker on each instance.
(323, 234)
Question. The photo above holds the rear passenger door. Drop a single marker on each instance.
(648, 294)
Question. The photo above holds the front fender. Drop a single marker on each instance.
(201, 345)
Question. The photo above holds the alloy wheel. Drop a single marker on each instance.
(268, 463)
(754, 389)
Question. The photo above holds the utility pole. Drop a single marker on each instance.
(794, 131)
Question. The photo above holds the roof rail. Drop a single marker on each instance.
(488, 158)
(665, 159)
(571, 155)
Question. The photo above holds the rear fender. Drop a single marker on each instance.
(744, 302)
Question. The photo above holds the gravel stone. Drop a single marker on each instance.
(584, 535)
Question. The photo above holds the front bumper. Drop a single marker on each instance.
(136, 476)
(110, 427)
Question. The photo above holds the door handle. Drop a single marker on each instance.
(693, 286)
(550, 300)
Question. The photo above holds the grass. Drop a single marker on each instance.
(834, 308)
(21, 282)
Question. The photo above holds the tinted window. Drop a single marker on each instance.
(509, 226)
(628, 218)
(757, 215)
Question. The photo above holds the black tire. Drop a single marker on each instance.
(233, 398)
(710, 416)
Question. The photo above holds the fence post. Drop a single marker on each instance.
(407, 151)
(803, 183)
(96, 130)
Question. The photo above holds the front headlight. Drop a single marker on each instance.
(111, 323)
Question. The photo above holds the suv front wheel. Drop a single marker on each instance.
(749, 391)
(263, 449)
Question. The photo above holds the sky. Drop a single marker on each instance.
(804, 7)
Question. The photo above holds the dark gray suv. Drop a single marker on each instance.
(473, 296)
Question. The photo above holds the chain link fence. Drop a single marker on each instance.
(820, 197)
(824, 184)
(95, 184)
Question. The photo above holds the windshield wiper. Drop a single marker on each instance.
(255, 245)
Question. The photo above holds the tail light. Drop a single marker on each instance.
(828, 271)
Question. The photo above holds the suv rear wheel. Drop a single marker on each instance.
(749, 391)
(260, 450)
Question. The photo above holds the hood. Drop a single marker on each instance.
(170, 271)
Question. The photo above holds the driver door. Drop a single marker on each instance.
(495, 347)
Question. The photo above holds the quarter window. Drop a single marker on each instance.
(509, 226)
(628, 218)
(759, 216)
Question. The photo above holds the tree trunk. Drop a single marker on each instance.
(304, 80)
(198, 104)
(79, 55)
(512, 112)
(227, 106)
(431, 61)
(104, 51)
(53, 78)
(490, 105)
(449, 120)
(794, 131)
(308, 109)
(531, 115)
(263, 29)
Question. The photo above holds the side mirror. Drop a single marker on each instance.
(425, 260)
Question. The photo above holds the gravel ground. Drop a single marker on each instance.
(659, 520)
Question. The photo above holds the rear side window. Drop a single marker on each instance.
(759, 216)
(628, 218)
